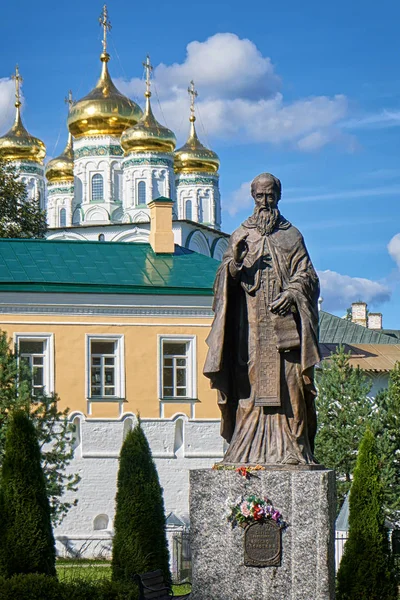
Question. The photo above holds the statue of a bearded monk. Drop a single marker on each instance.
(263, 344)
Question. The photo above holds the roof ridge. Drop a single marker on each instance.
(353, 327)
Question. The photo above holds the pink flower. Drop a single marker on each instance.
(244, 509)
(276, 515)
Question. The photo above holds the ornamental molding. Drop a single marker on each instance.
(196, 180)
(105, 150)
(121, 311)
(30, 169)
(150, 161)
(51, 191)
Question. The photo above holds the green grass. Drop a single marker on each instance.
(72, 571)
(87, 572)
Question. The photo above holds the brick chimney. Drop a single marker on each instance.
(374, 320)
(161, 234)
(359, 313)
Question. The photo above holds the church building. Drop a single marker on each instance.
(117, 159)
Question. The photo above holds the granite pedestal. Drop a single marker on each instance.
(307, 502)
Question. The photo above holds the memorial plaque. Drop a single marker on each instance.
(262, 545)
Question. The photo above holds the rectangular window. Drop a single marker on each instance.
(105, 362)
(37, 352)
(177, 367)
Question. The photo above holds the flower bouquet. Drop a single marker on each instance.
(252, 509)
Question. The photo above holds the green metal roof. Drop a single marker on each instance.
(28, 265)
(334, 330)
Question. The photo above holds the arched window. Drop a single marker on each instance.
(76, 436)
(141, 192)
(204, 216)
(100, 522)
(188, 210)
(101, 237)
(117, 186)
(97, 188)
(63, 217)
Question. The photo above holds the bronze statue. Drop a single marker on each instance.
(263, 343)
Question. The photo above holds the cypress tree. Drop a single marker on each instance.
(26, 536)
(140, 542)
(365, 569)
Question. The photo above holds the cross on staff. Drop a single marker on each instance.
(18, 80)
(106, 25)
(69, 100)
(149, 68)
(193, 93)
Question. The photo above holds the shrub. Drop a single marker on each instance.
(45, 587)
(26, 536)
(139, 543)
(365, 569)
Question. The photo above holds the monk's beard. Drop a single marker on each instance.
(266, 220)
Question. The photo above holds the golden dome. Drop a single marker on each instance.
(104, 111)
(148, 135)
(61, 168)
(193, 157)
(18, 144)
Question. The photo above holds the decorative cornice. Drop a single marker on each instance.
(200, 179)
(153, 311)
(151, 161)
(32, 168)
(109, 150)
(60, 190)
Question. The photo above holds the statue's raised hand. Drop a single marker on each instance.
(240, 250)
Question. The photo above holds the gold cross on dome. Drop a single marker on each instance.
(149, 68)
(18, 80)
(106, 25)
(69, 100)
(193, 93)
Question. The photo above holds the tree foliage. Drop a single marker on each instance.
(139, 543)
(55, 433)
(385, 424)
(26, 537)
(365, 570)
(343, 414)
(20, 217)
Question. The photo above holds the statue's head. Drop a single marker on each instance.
(266, 191)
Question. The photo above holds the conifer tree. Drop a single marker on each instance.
(52, 426)
(344, 410)
(26, 536)
(139, 543)
(365, 570)
(20, 217)
(385, 424)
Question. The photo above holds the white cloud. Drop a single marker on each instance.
(240, 199)
(7, 91)
(239, 97)
(339, 291)
(394, 248)
(380, 120)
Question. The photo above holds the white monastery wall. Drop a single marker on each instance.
(178, 445)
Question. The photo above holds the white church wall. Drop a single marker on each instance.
(178, 445)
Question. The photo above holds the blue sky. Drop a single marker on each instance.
(308, 91)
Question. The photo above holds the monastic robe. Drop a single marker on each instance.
(262, 364)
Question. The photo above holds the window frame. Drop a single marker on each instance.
(138, 203)
(92, 199)
(48, 363)
(191, 367)
(119, 339)
(60, 220)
